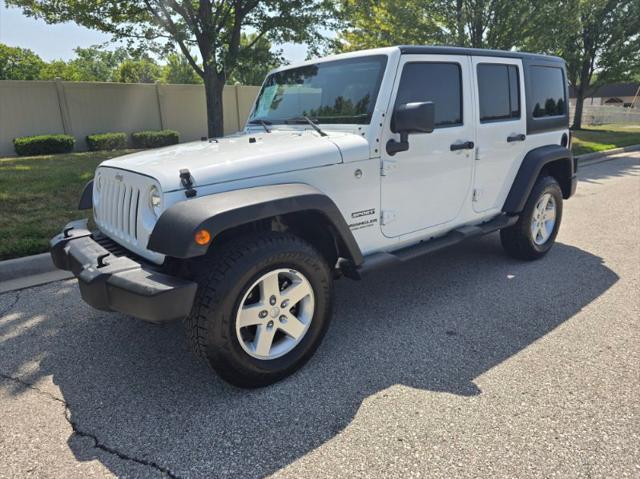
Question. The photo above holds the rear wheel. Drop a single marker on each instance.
(535, 232)
(262, 308)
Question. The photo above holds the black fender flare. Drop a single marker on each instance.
(530, 169)
(86, 198)
(173, 234)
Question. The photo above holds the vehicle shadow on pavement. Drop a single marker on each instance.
(607, 169)
(435, 324)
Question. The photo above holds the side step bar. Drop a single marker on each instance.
(379, 260)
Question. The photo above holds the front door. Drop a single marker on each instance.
(428, 184)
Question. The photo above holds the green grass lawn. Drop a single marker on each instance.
(605, 137)
(39, 195)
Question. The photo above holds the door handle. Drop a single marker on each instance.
(464, 145)
(520, 137)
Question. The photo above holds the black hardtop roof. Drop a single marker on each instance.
(441, 50)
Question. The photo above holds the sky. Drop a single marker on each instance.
(53, 42)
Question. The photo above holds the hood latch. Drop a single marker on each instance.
(187, 181)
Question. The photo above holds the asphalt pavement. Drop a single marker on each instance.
(462, 364)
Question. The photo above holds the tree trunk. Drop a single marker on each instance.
(584, 77)
(476, 31)
(213, 87)
(577, 115)
(459, 24)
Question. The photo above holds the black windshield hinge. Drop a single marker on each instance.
(187, 181)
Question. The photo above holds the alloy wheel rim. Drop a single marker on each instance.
(275, 314)
(544, 219)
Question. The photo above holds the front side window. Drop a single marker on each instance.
(547, 91)
(499, 91)
(440, 83)
(340, 91)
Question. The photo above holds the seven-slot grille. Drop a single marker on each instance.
(122, 212)
(117, 209)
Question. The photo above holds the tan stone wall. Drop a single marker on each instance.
(84, 108)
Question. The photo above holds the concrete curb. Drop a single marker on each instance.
(25, 266)
(20, 273)
(603, 154)
(40, 265)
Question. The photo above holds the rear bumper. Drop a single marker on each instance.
(118, 283)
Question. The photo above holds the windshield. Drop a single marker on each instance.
(340, 91)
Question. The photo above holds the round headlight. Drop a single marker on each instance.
(155, 200)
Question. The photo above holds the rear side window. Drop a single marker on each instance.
(440, 83)
(499, 91)
(547, 91)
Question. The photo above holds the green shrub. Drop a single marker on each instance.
(155, 139)
(107, 141)
(43, 145)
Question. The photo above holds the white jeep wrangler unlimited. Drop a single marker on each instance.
(346, 164)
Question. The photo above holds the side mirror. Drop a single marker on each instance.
(416, 117)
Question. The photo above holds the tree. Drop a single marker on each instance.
(19, 63)
(599, 39)
(59, 69)
(254, 64)
(139, 70)
(214, 27)
(178, 70)
(372, 24)
(98, 64)
(468, 23)
(90, 64)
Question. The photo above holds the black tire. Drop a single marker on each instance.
(517, 240)
(225, 277)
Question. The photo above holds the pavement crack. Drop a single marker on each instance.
(31, 386)
(103, 447)
(77, 431)
(12, 304)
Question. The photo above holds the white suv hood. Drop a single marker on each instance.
(239, 156)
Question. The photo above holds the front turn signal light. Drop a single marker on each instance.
(202, 237)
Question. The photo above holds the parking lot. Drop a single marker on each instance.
(462, 364)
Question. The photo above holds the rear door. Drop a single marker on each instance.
(501, 128)
(427, 185)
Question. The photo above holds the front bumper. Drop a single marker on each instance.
(119, 283)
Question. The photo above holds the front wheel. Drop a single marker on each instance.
(535, 232)
(262, 308)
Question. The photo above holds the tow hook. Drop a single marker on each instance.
(102, 260)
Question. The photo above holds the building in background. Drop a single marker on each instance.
(612, 94)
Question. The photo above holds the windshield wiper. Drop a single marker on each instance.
(263, 123)
(306, 119)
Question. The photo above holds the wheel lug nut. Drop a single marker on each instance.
(285, 303)
(283, 319)
(270, 324)
(263, 314)
(272, 300)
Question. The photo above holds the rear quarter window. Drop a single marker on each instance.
(547, 91)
